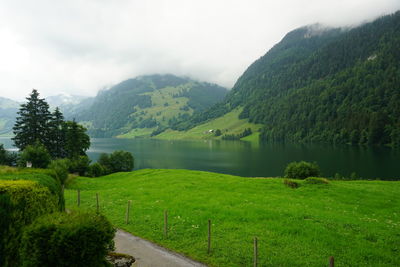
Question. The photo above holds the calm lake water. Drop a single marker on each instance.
(246, 159)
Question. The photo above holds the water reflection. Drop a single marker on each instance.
(247, 159)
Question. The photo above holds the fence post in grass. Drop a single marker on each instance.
(255, 256)
(166, 223)
(209, 237)
(97, 202)
(79, 197)
(331, 261)
(127, 212)
(62, 193)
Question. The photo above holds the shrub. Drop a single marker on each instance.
(302, 170)
(121, 161)
(60, 168)
(79, 165)
(25, 201)
(76, 239)
(7, 158)
(5, 215)
(37, 154)
(43, 177)
(291, 183)
(118, 161)
(96, 170)
(338, 176)
(316, 180)
(354, 176)
(3, 154)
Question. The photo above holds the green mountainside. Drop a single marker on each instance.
(147, 105)
(229, 125)
(8, 112)
(323, 84)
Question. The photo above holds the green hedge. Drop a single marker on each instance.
(5, 215)
(76, 239)
(45, 177)
(23, 201)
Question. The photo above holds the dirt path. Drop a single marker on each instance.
(148, 254)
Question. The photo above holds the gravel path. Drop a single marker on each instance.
(148, 254)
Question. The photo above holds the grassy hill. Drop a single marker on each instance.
(228, 124)
(140, 106)
(357, 222)
(166, 106)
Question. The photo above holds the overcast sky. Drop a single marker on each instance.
(81, 46)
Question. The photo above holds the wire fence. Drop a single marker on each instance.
(215, 244)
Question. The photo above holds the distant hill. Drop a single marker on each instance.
(8, 113)
(64, 100)
(323, 84)
(70, 105)
(146, 105)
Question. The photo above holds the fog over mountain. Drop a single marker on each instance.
(79, 47)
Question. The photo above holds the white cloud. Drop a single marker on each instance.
(81, 46)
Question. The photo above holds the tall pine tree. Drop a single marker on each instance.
(57, 135)
(32, 123)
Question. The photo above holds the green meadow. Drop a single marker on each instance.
(228, 124)
(357, 222)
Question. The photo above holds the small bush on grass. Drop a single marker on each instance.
(96, 170)
(118, 161)
(291, 183)
(75, 239)
(302, 170)
(316, 180)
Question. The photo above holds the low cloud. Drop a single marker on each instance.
(79, 47)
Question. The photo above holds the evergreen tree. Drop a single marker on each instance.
(57, 135)
(32, 122)
(77, 141)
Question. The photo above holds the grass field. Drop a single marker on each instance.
(228, 124)
(164, 107)
(357, 222)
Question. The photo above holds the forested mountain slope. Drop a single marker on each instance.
(147, 104)
(8, 112)
(321, 84)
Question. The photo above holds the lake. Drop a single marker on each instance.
(247, 159)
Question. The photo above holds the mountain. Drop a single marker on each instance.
(323, 84)
(64, 100)
(8, 113)
(147, 105)
(70, 105)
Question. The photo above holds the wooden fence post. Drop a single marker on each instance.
(97, 202)
(79, 197)
(127, 212)
(62, 193)
(166, 223)
(209, 237)
(331, 261)
(255, 256)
